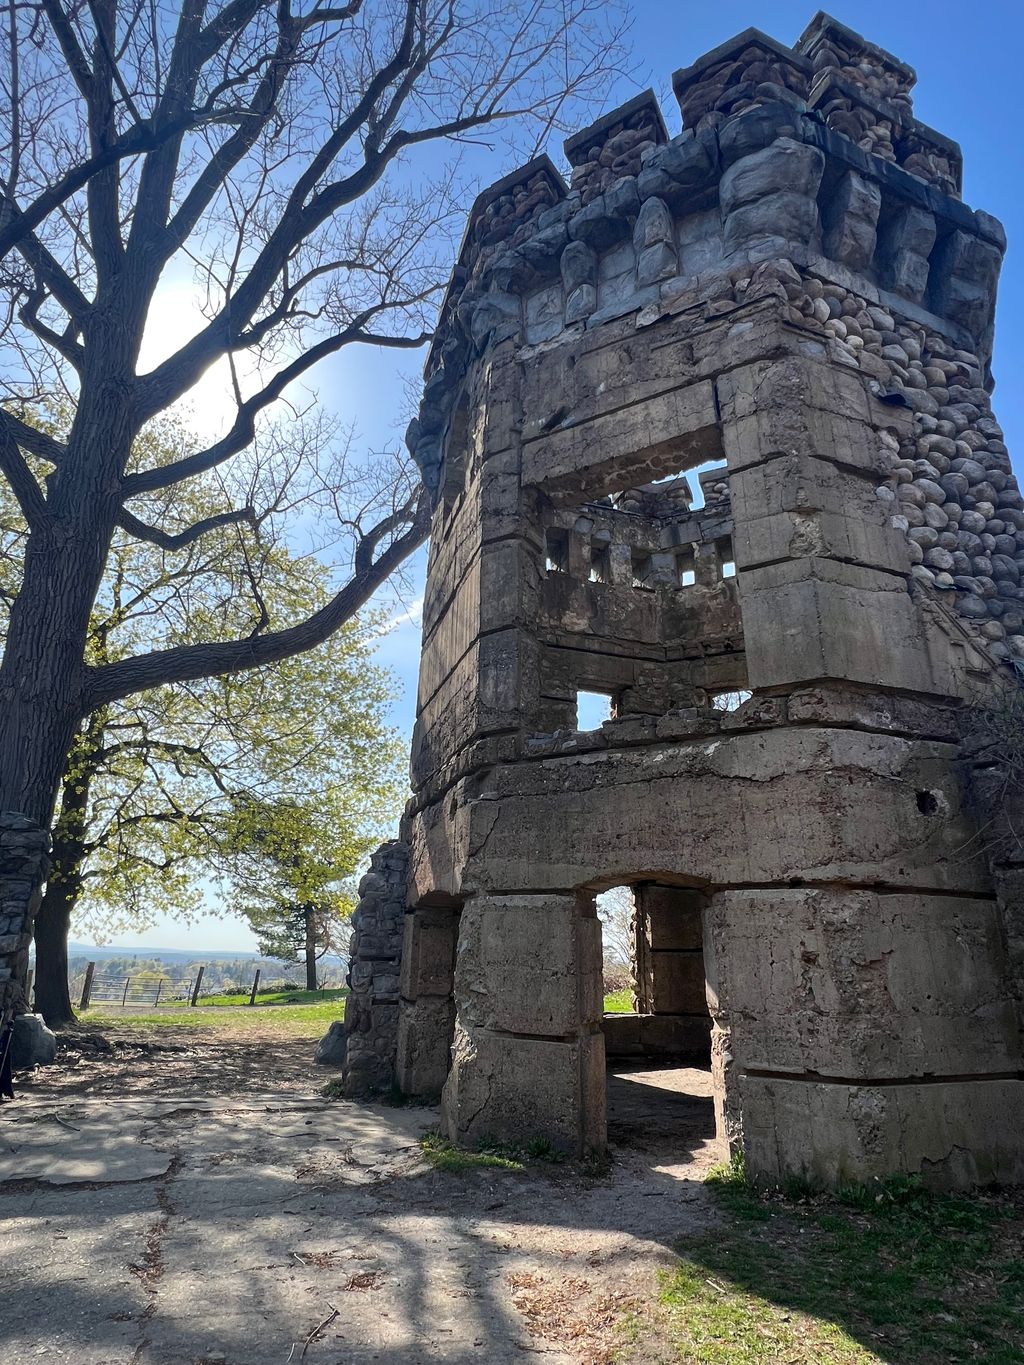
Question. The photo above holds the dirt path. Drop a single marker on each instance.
(170, 1203)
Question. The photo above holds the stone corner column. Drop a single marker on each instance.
(528, 1054)
(371, 1010)
(24, 850)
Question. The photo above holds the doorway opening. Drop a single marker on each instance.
(657, 1023)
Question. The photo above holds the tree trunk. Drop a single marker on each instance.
(310, 917)
(43, 672)
(53, 998)
(53, 922)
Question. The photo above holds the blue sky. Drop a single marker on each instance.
(969, 88)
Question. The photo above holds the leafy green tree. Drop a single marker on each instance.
(292, 876)
(156, 788)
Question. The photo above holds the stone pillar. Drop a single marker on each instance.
(426, 1021)
(371, 1010)
(769, 197)
(23, 866)
(528, 1055)
(822, 572)
(864, 1031)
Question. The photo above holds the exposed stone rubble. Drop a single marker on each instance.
(613, 149)
(790, 298)
(371, 1008)
(742, 74)
(950, 482)
(863, 92)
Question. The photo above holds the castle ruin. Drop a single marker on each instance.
(791, 298)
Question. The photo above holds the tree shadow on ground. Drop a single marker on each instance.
(271, 1218)
(894, 1273)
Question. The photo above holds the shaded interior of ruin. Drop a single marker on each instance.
(663, 1045)
(637, 599)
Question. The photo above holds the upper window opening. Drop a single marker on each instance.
(556, 550)
(600, 564)
(697, 486)
(686, 569)
(641, 570)
(726, 559)
(730, 701)
(593, 709)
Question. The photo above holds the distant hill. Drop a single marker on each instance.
(95, 954)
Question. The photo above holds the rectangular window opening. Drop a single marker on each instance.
(730, 701)
(593, 709)
(641, 570)
(726, 559)
(686, 569)
(556, 550)
(599, 564)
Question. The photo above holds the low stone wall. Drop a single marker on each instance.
(371, 1009)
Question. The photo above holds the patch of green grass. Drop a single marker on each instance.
(891, 1273)
(619, 1002)
(443, 1155)
(290, 1021)
(276, 998)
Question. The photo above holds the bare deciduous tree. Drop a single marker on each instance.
(274, 147)
(615, 909)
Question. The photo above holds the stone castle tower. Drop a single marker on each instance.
(791, 297)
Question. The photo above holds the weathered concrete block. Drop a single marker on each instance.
(651, 430)
(851, 227)
(425, 1032)
(955, 1134)
(784, 167)
(578, 266)
(798, 505)
(428, 952)
(529, 964)
(863, 985)
(905, 243)
(865, 627)
(965, 278)
(779, 786)
(678, 983)
(517, 1088)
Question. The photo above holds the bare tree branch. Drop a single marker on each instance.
(113, 681)
(22, 482)
(156, 536)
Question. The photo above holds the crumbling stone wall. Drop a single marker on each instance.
(23, 861)
(790, 290)
(371, 1008)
